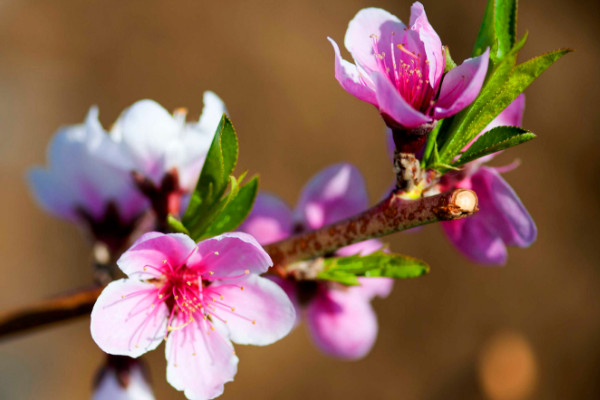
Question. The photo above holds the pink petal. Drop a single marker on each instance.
(512, 222)
(371, 287)
(359, 40)
(363, 248)
(431, 41)
(262, 314)
(393, 106)
(199, 361)
(291, 290)
(502, 220)
(152, 249)
(350, 78)
(473, 239)
(270, 219)
(461, 86)
(230, 254)
(335, 193)
(342, 324)
(125, 320)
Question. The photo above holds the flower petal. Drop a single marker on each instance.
(126, 320)
(291, 290)
(188, 152)
(359, 36)
(212, 112)
(342, 323)
(152, 249)
(335, 193)
(510, 219)
(363, 248)
(350, 78)
(270, 219)
(146, 129)
(431, 41)
(393, 106)
(199, 361)
(461, 86)
(473, 239)
(371, 287)
(262, 314)
(230, 254)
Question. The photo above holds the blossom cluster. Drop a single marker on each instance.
(200, 290)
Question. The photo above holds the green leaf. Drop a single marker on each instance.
(499, 138)
(379, 264)
(214, 178)
(498, 29)
(501, 88)
(449, 61)
(176, 225)
(236, 210)
(200, 230)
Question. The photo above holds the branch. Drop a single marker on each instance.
(393, 214)
(45, 312)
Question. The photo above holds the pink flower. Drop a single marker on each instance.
(502, 219)
(400, 69)
(199, 297)
(340, 319)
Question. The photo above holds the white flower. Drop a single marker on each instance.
(87, 172)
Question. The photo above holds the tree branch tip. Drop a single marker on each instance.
(466, 201)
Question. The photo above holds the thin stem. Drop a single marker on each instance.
(394, 214)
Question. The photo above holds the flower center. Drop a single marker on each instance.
(408, 71)
(191, 296)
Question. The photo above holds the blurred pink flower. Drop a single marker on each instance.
(400, 69)
(502, 219)
(340, 319)
(198, 297)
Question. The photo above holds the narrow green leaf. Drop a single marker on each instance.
(378, 264)
(212, 183)
(176, 225)
(499, 91)
(499, 138)
(498, 29)
(236, 210)
(200, 229)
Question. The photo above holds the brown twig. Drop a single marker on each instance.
(393, 214)
(48, 311)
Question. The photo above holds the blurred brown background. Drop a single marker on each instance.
(530, 330)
